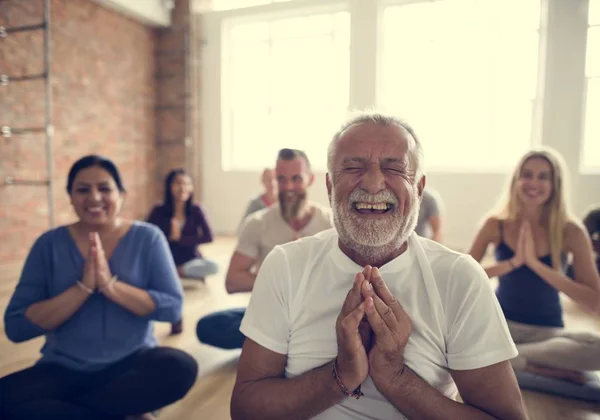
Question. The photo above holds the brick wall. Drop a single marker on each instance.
(173, 104)
(103, 91)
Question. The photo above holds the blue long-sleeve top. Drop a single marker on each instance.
(101, 332)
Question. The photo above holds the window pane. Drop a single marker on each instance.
(253, 139)
(298, 77)
(520, 13)
(592, 61)
(341, 25)
(307, 129)
(249, 62)
(250, 32)
(591, 144)
(594, 12)
(470, 82)
(302, 26)
(290, 90)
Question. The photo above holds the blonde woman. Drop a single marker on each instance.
(534, 234)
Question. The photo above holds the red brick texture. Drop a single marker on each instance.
(173, 110)
(104, 98)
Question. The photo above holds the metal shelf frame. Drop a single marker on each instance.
(7, 131)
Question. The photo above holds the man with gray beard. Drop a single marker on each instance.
(371, 321)
(294, 217)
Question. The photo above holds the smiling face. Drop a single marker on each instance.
(181, 188)
(95, 196)
(534, 185)
(372, 190)
(293, 179)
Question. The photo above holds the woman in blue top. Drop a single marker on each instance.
(533, 234)
(94, 288)
(185, 225)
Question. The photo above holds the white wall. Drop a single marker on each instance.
(149, 12)
(467, 197)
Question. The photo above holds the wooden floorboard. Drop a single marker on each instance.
(210, 396)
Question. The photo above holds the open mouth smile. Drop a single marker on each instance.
(372, 208)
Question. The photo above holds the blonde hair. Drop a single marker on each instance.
(555, 214)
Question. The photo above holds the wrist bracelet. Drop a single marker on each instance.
(84, 288)
(109, 284)
(111, 281)
(356, 394)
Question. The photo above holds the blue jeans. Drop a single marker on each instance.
(199, 268)
(222, 329)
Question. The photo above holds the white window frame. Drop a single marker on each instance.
(366, 39)
(217, 26)
(535, 138)
(583, 168)
(227, 25)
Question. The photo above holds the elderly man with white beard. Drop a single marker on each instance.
(369, 320)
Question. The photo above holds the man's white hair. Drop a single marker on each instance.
(372, 117)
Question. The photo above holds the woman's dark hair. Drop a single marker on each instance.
(94, 160)
(168, 201)
(592, 220)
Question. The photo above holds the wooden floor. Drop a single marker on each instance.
(209, 398)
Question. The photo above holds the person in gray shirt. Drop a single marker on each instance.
(431, 215)
(264, 200)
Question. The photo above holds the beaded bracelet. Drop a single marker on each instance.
(356, 394)
(84, 288)
(109, 284)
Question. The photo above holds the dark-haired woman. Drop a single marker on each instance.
(183, 222)
(93, 289)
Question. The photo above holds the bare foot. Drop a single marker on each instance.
(557, 373)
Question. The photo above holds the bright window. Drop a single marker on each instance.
(286, 84)
(591, 140)
(464, 78)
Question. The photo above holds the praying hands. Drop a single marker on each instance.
(372, 330)
(96, 272)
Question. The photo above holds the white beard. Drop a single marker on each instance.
(374, 239)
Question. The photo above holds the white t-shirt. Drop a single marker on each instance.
(457, 322)
(266, 228)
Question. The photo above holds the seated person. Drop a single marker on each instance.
(592, 224)
(293, 218)
(591, 221)
(94, 288)
(371, 321)
(533, 234)
(430, 222)
(266, 199)
(183, 222)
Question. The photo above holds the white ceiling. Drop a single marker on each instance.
(149, 12)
